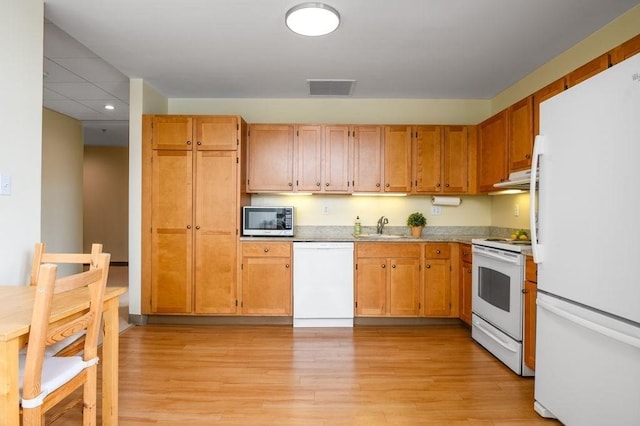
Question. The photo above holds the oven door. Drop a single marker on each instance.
(497, 282)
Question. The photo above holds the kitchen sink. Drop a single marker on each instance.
(381, 236)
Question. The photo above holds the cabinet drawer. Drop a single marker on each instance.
(437, 251)
(531, 270)
(388, 250)
(266, 249)
(466, 255)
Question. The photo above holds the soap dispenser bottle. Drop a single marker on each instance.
(357, 228)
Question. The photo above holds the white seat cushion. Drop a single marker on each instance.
(56, 371)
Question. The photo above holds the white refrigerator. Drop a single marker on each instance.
(586, 246)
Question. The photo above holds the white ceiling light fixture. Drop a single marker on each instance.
(109, 107)
(312, 19)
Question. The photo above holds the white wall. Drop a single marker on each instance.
(21, 35)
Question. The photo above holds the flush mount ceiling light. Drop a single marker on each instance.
(312, 19)
(109, 107)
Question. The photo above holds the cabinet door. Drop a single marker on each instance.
(626, 50)
(455, 160)
(217, 133)
(216, 222)
(308, 155)
(437, 287)
(588, 70)
(171, 232)
(465, 292)
(266, 285)
(427, 164)
(371, 286)
(173, 132)
(492, 155)
(337, 152)
(368, 159)
(270, 158)
(397, 158)
(521, 134)
(530, 295)
(404, 286)
(542, 95)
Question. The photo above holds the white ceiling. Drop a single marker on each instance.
(447, 49)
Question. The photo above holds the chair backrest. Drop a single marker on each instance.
(43, 334)
(40, 256)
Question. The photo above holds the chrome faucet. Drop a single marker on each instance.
(381, 223)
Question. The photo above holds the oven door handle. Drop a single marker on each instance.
(496, 256)
(490, 335)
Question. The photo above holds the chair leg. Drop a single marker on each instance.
(32, 416)
(89, 410)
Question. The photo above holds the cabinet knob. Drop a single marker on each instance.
(427, 266)
(377, 185)
(524, 291)
(527, 156)
(468, 270)
(266, 250)
(318, 184)
(188, 226)
(326, 184)
(188, 142)
(383, 266)
(286, 266)
(438, 252)
(197, 226)
(387, 185)
(290, 184)
(438, 185)
(446, 185)
(393, 266)
(198, 143)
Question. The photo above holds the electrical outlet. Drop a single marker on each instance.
(436, 210)
(5, 185)
(325, 209)
(516, 210)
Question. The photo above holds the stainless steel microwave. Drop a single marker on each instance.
(267, 221)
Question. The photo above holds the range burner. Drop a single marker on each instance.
(503, 243)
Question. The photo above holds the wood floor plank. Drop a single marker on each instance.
(278, 375)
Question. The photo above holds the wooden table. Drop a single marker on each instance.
(16, 306)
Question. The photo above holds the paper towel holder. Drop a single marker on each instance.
(445, 201)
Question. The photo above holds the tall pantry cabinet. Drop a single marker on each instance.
(192, 195)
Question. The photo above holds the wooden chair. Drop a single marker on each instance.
(47, 380)
(73, 344)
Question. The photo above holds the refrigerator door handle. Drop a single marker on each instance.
(605, 331)
(538, 150)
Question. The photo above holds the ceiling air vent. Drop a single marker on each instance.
(331, 87)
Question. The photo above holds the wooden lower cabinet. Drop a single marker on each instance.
(437, 280)
(266, 278)
(530, 294)
(387, 279)
(466, 274)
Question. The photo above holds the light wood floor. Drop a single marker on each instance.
(278, 375)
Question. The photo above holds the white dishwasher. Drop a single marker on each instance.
(323, 284)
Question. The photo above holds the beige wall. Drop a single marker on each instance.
(62, 154)
(106, 200)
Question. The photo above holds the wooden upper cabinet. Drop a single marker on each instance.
(172, 132)
(521, 134)
(397, 158)
(427, 152)
(216, 133)
(270, 157)
(367, 159)
(626, 50)
(337, 152)
(455, 160)
(542, 95)
(308, 155)
(588, 70)
(492, 152)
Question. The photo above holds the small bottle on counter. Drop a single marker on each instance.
(357, 228)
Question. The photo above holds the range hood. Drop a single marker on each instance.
(517, 180)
